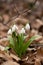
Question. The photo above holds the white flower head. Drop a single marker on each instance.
(9, 31)
(22, 30)
(2, 48)
(14, 28)
(27, 27)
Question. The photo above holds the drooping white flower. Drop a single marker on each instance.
(2, 48)
(27, 27)
(9, 31)
(22, 30)
(14, 28)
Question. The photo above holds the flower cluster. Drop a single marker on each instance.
(17, 39)
(22, 31)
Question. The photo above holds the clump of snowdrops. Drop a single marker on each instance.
(16, 40)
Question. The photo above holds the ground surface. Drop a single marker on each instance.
(32, 11)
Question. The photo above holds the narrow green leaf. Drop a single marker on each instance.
(6, 48)
(29, 42)
(17, 43)
(20, 39)
(11, 41)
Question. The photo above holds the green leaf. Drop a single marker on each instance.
(11, 42)
(6, 48)
(20, 40)
(17, 43)
(26, 45)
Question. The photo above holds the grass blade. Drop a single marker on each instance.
(28, 43)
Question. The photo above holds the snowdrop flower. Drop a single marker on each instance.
(2, 48)
(9, 31)
(14, 28)
(27, 27)
(22, 30)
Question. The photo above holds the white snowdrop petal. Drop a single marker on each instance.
(9, 31)
(27, 27)
(14, 28)
(22, 30)
(2, 48)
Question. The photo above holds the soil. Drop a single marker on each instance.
(20, 12)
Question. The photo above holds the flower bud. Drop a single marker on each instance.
(22, 30)
(14, 28)
(9, 31)
(27, 27)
